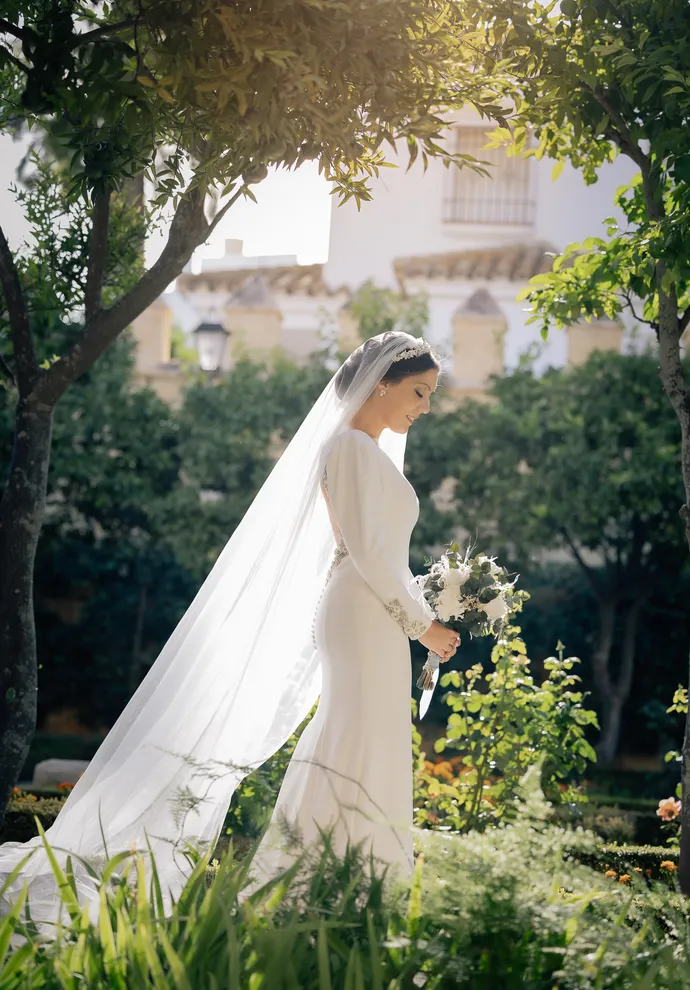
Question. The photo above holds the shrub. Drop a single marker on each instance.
(499, 910)
(652, 862)
(504, 721)
(19, 822)
(614, 823)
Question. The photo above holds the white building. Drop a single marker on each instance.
(471, 243)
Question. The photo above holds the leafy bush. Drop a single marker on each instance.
(19, 823)
(613, 826)
(499, 910)
(503, 721)
(615, 823)
(653, 862)
(252, 803)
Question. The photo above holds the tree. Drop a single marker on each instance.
(377, 310)
(141, 500)
(229, 438)
(593, 80)
(583, 461)
(201, 97)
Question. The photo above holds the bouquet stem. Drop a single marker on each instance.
(425, 679)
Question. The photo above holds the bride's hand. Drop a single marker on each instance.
(440, 640)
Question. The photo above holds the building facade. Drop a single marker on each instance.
(469, 242)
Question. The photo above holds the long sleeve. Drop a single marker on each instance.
(359, 484)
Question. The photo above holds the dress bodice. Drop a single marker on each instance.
(373, 510)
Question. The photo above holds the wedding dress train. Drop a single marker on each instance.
(351, 772)
(240, 672)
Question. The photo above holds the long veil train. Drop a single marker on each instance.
(235, 679)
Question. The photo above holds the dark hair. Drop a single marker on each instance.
(400, 370)
(397, 372)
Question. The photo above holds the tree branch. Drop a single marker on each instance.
(18, 313)
(98, 255)
(580, 559)
(622, 136)
(629, 304)
(221, 213)
(188, 230)
(23, 34)
(14, 60)
(103, 30)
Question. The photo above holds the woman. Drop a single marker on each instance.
(243, 667)
(352, 768)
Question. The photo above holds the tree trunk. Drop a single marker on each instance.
(21, 515)
(673, 378)
(619, 690)
(601, 661)
(684, 862)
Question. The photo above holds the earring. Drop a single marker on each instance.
(382, 391)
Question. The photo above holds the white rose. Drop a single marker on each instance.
(446, 605)
(457, 576)
(496, 608)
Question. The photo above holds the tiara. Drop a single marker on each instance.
(420, 347)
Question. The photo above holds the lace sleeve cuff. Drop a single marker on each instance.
(414, 628)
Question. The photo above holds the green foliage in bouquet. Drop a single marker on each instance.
(502, 722)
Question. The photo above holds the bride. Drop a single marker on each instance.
(312, 596)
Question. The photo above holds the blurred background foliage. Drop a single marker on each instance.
(570, 477)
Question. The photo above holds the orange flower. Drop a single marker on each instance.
(610, 873)
(17, 790)
(637, 869)
(624, 878)
(648, 873)
(65, 786)
(668, 865)
(668, 809)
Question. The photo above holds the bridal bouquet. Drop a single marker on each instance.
(470, 595)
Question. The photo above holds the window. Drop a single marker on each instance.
(505, 198)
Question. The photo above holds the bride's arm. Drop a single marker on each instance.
(356, 493)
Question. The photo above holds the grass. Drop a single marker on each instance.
(510, 908)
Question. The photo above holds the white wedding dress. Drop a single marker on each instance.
(241, 671)
(351, 772)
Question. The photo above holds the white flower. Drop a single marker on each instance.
(496, 608)
(447, 604)
(455, 577)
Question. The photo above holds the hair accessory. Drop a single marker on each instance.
(420, 347)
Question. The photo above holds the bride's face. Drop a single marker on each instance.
(407, 400)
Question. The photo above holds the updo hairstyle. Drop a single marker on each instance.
(397, 372)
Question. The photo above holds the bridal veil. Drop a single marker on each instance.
(237, 676)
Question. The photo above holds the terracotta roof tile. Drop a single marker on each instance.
(306, 280)
(515, 263)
